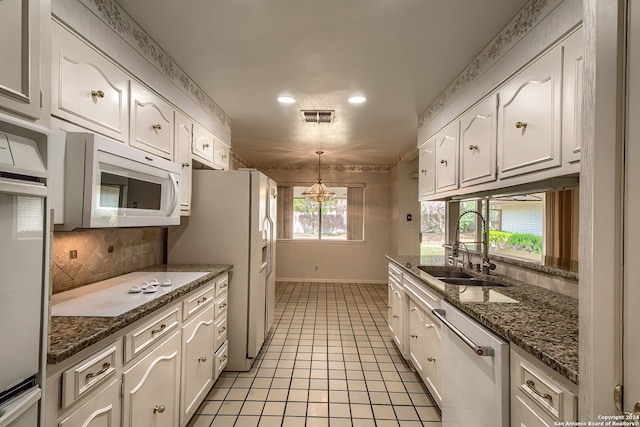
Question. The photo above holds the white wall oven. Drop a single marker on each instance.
(23, 234)
(109, 184)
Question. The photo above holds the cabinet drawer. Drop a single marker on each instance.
(88, 374)
(102, 409)
(220, 332)
(395, 274)
(222, 284)
(220, 357)
(221, 306)
(538, 390)
(197, 302)
(151, 122)
(151, 332)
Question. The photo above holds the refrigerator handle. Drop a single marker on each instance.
(271, 243)
(17, 408)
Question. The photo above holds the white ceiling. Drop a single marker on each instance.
(400, 54)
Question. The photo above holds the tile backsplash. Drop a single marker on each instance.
(87, 256)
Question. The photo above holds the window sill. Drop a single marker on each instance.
(322, 242)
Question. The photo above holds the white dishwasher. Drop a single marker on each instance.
(475, 372)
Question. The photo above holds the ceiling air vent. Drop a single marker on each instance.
(317, 116)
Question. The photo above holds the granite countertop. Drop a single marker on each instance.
(542, 322)
(70, 334)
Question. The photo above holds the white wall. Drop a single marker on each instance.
(407, 203)
(340, 261)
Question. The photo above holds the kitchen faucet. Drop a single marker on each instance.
(485, 264)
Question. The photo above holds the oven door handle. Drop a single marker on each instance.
(479, 350)
(14, 410)
(14, 186)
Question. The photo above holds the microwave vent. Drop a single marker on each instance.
(317, 116)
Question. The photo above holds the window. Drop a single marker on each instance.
(341, 218)
(540, 227)
(433, 221)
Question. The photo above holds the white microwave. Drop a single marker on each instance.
(109, 184)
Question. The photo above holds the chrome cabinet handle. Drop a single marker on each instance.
(396, 316)
(532, 387)
(431, 359)
(97, 94)
(185, 165)
(159, 409)
(205, 145)
(220, 331)
(443, 162)
(104, 369)
(479, 350)
(520, 125)
(414, 336)
(424, 171)
(156, 127)
(473, 147)
(203, 300)
(202, 359)
(162, 328)
(223, 305)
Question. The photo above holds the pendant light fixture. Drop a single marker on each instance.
(319, 192)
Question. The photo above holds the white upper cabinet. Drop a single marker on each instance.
(427, 165)
(20, 47)
(151, 122)
(183, 141)
(221, 155)
(87, 88)
(447, 157)
(478, 143)
(203, 143)
(529, 119)
(572, 96)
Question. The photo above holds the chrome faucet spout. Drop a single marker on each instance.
(486, 264)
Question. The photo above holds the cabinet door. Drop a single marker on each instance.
(447, 157)
(221, 155)
(390, 307)
(397, 317)
(87, 88)
(416, 337)
(152, 387)
(183, 141)
(529, 118)
(197, 362)
(427, 165)
(572, 96)
(433, 342)
(151, 122)
(524, 415)
(101, 410)
(203, 142)
(478, 143)
(20, 47)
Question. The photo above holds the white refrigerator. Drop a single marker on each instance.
(233, 218)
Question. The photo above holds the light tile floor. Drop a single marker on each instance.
(329, 361)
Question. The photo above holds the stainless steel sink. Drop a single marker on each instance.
(471, 282)
(440, 273)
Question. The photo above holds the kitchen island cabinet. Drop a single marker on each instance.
(158, 351)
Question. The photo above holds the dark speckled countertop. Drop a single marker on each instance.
(70, 334)
(542, 322)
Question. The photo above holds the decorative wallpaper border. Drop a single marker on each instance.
(530, 15)
(327, 168)
(115, 17)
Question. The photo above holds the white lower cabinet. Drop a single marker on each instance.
(395, 304)
(425, 339)
(539, 396)
(197, 362)
(154, 373)
(103, 410)
(152, 387)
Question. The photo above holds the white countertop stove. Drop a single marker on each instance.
(115, 296)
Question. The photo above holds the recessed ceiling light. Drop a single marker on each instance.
(286, 99)
(358, 99)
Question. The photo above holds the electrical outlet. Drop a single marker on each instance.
(110, 249)
(73, 254)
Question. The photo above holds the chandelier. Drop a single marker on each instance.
(319, 192)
